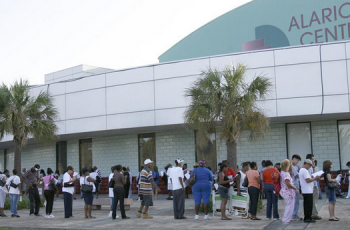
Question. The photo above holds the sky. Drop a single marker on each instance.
(38, 37)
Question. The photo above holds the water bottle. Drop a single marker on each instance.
(20, 199)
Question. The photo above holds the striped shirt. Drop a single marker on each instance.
(31, 177)
(146, 178)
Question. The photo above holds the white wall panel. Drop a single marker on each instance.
(299, 106)
(60, 104)
(333, 52)
(170, 116)
(300, 55)
(65, 78)
(335, 80)
(35, 91)
(347, 49)
(263, 72)
(252, 60)
(269, 107)
(131, 120)
(86, 124)
(57, 88)
(63, 73)
(336, 104)
(298, 80)
(93, 82)
(61, 127)
(129, 76)
(179, 69)
(170, 93)
(86, 104)
(130, 98)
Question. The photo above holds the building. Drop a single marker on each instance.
(124, 116)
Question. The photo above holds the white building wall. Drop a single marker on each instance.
(175, 144)
(113, 150)
(45, 156)
(325, 142)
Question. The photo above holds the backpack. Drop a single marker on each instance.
(98, 179)
(276, 182)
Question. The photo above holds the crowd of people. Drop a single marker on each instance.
(286, 180)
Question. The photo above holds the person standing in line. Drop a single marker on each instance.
(138, 184)
(98, 180)
(176, 178)
(146, 182)
(202, 188)
(318, 182)
(49, 195)
(111, 192)
(306, 182)
(217, 172)
(230, 173)
(127, 183)
(224, 185)
(240, 178)
(186, 181)
(278, 166)
(315, 195)
(261, 171)
(68, 190)
(3, 191)
(130, 189)
(168, 169)
(348, 174)
(295, 176)
(119, 183)
(88, 196)
(327, 165)
(156, 181)
(14, 192)
(272, 198)
(254, 184)
(24, 185)
(31, 178)
(287, 191)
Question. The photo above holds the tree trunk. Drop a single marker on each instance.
(232, 154)
(18, 158)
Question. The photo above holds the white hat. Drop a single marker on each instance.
(178, 161)
(308, 161)
(147, 161)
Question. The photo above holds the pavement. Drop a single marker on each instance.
(164, 219)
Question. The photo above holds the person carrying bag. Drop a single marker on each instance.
(87, 188)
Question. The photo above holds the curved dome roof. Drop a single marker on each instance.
(263, 24)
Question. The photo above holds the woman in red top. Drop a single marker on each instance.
(272, 198)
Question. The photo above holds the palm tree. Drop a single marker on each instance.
(222, 100)
(24, 117)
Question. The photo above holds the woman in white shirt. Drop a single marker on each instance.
(14, 191)
(86, 179)
(3, 191)
(68, 190)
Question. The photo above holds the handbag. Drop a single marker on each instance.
(13, 185)
(332, 185)
(86, 188)
(245, 182)
(52, 187)
(111, 183)
(192, 179)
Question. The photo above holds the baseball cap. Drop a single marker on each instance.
(178, 161)
(308, 161)
(147, 161)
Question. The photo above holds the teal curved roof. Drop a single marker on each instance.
(262, 24)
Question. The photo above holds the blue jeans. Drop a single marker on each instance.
(272, 200)
(14, 202)
(296, 204)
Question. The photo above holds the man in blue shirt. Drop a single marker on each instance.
(295, 175)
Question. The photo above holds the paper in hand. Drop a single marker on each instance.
(319, 173)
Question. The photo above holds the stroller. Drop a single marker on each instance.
(341, 179)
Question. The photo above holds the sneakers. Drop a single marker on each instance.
(316, 217)
(49, 216)
(276, 219)
(268, 218)
(52, 216)
(206, 217)
(110, 214)
(146, 216)
(32, 215)
(196, 217)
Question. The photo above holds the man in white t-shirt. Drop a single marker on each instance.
(307, 189)
(176, 176)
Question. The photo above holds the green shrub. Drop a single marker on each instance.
(22, 205)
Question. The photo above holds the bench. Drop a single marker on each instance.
(97, 203)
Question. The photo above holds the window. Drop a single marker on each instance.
(6, 159)
(147, 148)
(299, 139)
(61, 156)
(85, 153)
(208, 151)
(344, 142)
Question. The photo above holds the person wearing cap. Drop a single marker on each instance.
(202, 188)
(307, 189)
(31, 179)
(312, 170)
(146, 182)
(176, 178)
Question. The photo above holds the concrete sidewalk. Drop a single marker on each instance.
(163, 218)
